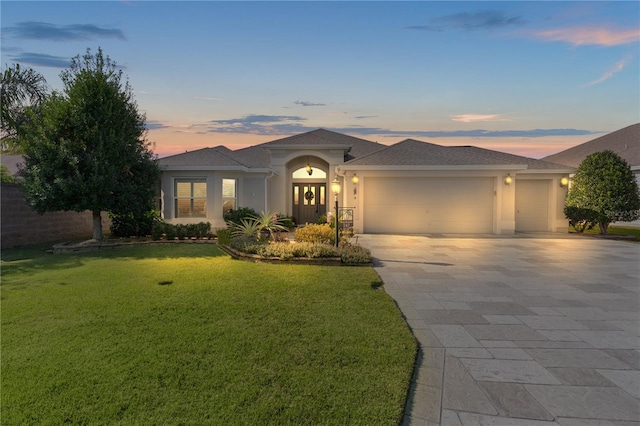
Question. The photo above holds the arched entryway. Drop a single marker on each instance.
(308, 192)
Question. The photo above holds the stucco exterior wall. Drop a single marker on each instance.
(250, 192)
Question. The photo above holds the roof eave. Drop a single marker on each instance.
(514, 167)
(214, 168)
(291, 147)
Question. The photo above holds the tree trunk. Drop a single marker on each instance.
(97, 225)
(603, 228)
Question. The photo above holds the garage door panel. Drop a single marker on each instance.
(532, 205)
(428, 205)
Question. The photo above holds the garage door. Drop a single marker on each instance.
(532, 205)
(428, 205)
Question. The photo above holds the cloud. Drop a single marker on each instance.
(202, 98)
(259, 125)
(291, 125)
(308, 104)
(619, 66)
(474, 118)
(42, 59)
(598, 36)
(362, 117)
(155, 125)
(481, 20)
(77, 32)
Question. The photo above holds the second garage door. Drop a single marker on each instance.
(428, 205)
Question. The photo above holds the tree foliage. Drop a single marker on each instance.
(87, 148)
(21, 90)
(605, 188)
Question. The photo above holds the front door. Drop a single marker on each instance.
(309, 202)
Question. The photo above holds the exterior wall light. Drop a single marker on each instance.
(508, 179)
(355, 181)
(564, 182)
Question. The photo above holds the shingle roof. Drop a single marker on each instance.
(359, 147)
(217, 156)
(624, 142)
(411, 152)
(259, 156)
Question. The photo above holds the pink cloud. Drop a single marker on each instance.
(589, 35)
(619, 66)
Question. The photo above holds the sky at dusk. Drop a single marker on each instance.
(529, 78)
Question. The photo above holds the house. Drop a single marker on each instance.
(411, 187)
(624, 142)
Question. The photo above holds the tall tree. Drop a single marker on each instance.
(605, 188)
(21, 89)
(87, 148)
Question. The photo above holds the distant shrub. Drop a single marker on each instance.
(315, 234)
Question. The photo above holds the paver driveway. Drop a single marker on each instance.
(523, 330)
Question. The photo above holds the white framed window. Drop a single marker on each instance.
(229, 195)
(190, 197)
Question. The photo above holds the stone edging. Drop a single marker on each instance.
(332, 261)
(90, 246)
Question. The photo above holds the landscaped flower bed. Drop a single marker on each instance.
(249, 240)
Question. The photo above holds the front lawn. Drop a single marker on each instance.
(182, 334)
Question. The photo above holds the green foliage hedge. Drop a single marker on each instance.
(170, 231)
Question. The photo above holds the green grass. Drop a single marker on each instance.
(185, 335)
(615, 230)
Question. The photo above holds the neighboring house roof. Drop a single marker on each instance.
(624, 142)
(411, 152)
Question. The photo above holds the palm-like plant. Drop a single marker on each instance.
(21, 89)
(270, 223)
(246, 228)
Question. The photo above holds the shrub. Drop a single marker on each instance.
(197, 230)
(287, 222)
(224, 236)
(315, 234)
(355, 254)
(581, 218)
(236, 216)
(246, 244)
(133, 224)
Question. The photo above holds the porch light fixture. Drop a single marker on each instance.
(335, 188)
(355, 179)
(508, 179)
(564, 182)
(308, 168)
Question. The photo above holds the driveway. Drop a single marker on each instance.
(523, 330)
